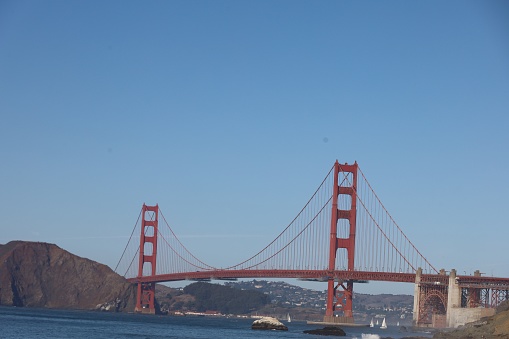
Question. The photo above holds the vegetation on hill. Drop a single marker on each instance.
(308, 304)
(227, 300)
(300, 303)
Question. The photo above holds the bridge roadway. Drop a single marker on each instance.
(324, 275)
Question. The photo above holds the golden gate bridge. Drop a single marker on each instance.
(342, 235)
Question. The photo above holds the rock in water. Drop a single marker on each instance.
(328, 330)
(35, 274)
(268, 323)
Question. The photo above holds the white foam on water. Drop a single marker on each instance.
(370, 336)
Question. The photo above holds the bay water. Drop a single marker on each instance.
(20, 322)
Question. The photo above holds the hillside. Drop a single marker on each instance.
(308, 304)
(202, 297)
(495, 327)
(35, 274)
(301, 303)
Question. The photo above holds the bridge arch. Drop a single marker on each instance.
(432, 305)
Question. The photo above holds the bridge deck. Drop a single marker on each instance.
(318, 275)
(324, 275)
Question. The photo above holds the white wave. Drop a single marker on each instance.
(370, 336)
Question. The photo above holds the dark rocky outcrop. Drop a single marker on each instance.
(268, 323)
(328, 330)
(34, 274)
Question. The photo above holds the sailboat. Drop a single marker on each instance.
(288, 318)
(377, 322)
(384, 325)
(397, 324)
(371, 324)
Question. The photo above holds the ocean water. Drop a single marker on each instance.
(18, 322)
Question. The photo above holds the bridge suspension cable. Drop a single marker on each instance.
(127, 264)
(298, 245)
(128, 247)
(173, 256)
(382, 245)
(176, 255)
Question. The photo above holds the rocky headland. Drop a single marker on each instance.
(494, 327)
(35, 274)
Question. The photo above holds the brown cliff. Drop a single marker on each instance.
(35, 274)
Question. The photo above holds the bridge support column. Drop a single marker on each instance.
(453, 298)
(417, 296)
(145, 298)
(339, 297)
(461, 312)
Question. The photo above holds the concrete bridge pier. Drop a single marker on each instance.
(453, 299)
(459, 314)
(417, 295)
(440, 300)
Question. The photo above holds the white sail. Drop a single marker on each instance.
(371, 324)
(288, 318)
(397, 324)
(384, 325)
(377, 322)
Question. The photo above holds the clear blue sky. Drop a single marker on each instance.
(228, 114)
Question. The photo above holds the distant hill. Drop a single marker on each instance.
(35, 274)
(202, 297)
(310, 304)
(301, 303)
